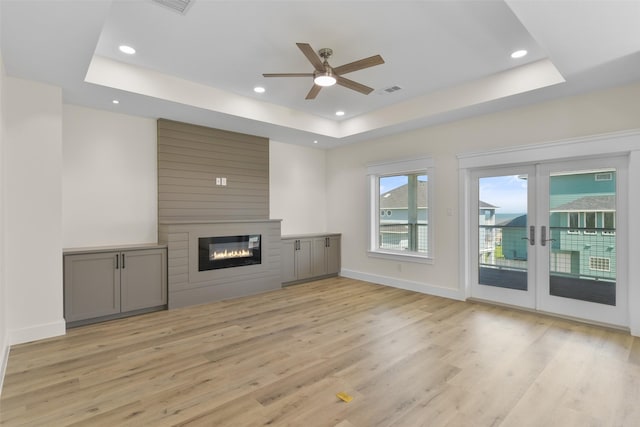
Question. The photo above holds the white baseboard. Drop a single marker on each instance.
(3, 363)
(423, 288)
(38, 332)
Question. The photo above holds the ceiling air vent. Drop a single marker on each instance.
(390, 89)
(179, 6)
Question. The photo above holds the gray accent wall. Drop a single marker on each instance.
(191, 157)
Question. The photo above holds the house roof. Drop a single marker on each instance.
(519, 221)
(588, 203)
(485, 205)
(398, 198)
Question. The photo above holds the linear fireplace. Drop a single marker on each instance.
(228, 251)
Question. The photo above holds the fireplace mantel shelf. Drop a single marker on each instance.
(224, 221)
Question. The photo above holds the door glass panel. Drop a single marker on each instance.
(502, 228)
(582, 255)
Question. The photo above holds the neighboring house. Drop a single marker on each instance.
(514, 243)
(395, 224)
(584, 233)
(489, 236)
(582, 226)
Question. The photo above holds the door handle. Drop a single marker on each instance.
(532, 235)
(543, 236)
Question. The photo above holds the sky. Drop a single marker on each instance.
(508, 193)
(390, 182)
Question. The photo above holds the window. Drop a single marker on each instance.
(609, 223)
(590, 223)
(599, 263)
(573, 223)
(400, 199)
(605, 176)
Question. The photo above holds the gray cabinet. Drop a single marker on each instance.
(310, 257)
(102, 284)
(297, 261)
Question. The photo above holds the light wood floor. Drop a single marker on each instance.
(279, 358)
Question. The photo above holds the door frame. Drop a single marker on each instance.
(626, 143)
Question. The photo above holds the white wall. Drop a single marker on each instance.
(33, 194)
(4, 329)
(109, 178)
(601, 112)
(297, 188)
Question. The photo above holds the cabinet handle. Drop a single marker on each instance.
(117, 261)
(327, 243)
(297, 245)
(123, 261)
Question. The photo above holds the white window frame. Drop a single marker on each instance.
(422, 166)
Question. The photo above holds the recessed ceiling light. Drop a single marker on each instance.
(315, 141)
(259, 89)
(115, 101)
(339, 113)
(519, 54)
(126, 49)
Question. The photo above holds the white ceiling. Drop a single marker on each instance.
(451, 59)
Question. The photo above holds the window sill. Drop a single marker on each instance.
(398, 256)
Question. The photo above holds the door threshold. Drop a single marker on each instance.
(553, 315)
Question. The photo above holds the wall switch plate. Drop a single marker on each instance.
(217, 181)
(224, 180)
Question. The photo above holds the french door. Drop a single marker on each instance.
(551, 237)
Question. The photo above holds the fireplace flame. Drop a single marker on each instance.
(241, 253)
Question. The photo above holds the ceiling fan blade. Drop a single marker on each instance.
(359, 65)
(313, 92)
(353, 85)
(288, 75)
(311, 55)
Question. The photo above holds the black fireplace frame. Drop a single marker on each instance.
(251, 241)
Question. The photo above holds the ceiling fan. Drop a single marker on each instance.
(325, 75)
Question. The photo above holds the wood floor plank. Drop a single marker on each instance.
(280, 358)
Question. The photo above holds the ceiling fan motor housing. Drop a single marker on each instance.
(325, 53)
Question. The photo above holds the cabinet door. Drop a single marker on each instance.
(288, 260)
(333, 255)
(91, 285)
(319, 256)
(304, 263)
(143, 279)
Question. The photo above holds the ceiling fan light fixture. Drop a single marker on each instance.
(324, 79)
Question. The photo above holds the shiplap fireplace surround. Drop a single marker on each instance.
(191, 205)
